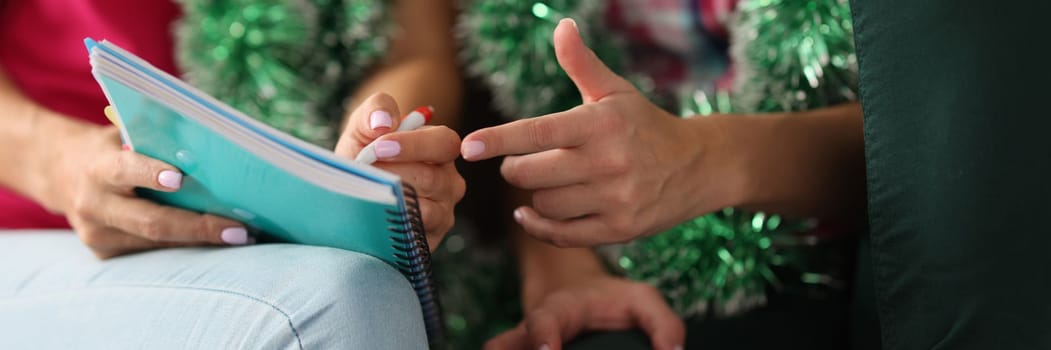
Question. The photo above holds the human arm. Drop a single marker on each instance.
(419, 70)
(421, 67)
(617, 167)
(567, 292)
(78, 169)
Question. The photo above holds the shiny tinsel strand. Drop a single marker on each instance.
(793, 55)
(508, 44)
(718, 263)
(287, 63)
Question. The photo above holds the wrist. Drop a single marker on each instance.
(545, 268)
(52, 136)
(717, 172)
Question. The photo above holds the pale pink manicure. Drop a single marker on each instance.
(380, 119)
(518, 215)
(545, 347)
(234, 236)
(387, 148)
(571, 21)
(472, 149)
(170, 179)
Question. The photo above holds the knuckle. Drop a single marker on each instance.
(104, 254)
(211, 223)
(459, 187)
(441, 218)
(542, 133)
(643, 290)
(83, 205)
(451, 138)
(150, 227)
(560, 241)
(608, 119)
(614, 163)
(382, 99)
(624, 200)
(424, 178)
(512, 171)
(623, 196)
(543, 203)
(97, 170)
(123, 163)
(432, 218)
(91, 237)
(622, 226)
(437, 235)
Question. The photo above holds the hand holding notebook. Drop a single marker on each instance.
(281, 187)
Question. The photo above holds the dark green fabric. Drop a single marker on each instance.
(958, 145)
(864, 325)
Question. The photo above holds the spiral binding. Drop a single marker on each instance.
(414, 261)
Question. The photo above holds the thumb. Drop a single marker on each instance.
(375, 116)
(592, 77)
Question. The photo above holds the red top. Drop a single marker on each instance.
(42, 51)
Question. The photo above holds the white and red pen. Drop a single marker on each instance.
(414, 120)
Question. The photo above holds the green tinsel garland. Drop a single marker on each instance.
(719, 261)
(508, 44)
(288, 63)
(790, 55)
(793, 55)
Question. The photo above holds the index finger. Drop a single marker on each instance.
(652, 314)
(509, 340)
(559, 130)
(160, 223)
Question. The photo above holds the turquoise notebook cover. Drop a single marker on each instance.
(223, 178)
(286, 189)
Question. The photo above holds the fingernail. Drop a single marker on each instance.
(518, 215)
(170, 179)
(472, 149)
(572, 22)
(234, 236)
(545, 347)
(387, 148)
(380, 119)
(678, 347)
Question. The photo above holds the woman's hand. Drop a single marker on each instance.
(610, 170)
(593, 303)
(422, 157)
(92, 181)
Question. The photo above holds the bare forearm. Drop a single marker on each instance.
(420, 69)
(29, 135)
(800, 164)
(419, 82)
(544, 267)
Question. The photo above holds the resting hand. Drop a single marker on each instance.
(422, 157)
(599, 303)
(93, 183)
(610, 170)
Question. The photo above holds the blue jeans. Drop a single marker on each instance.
(54, 294)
